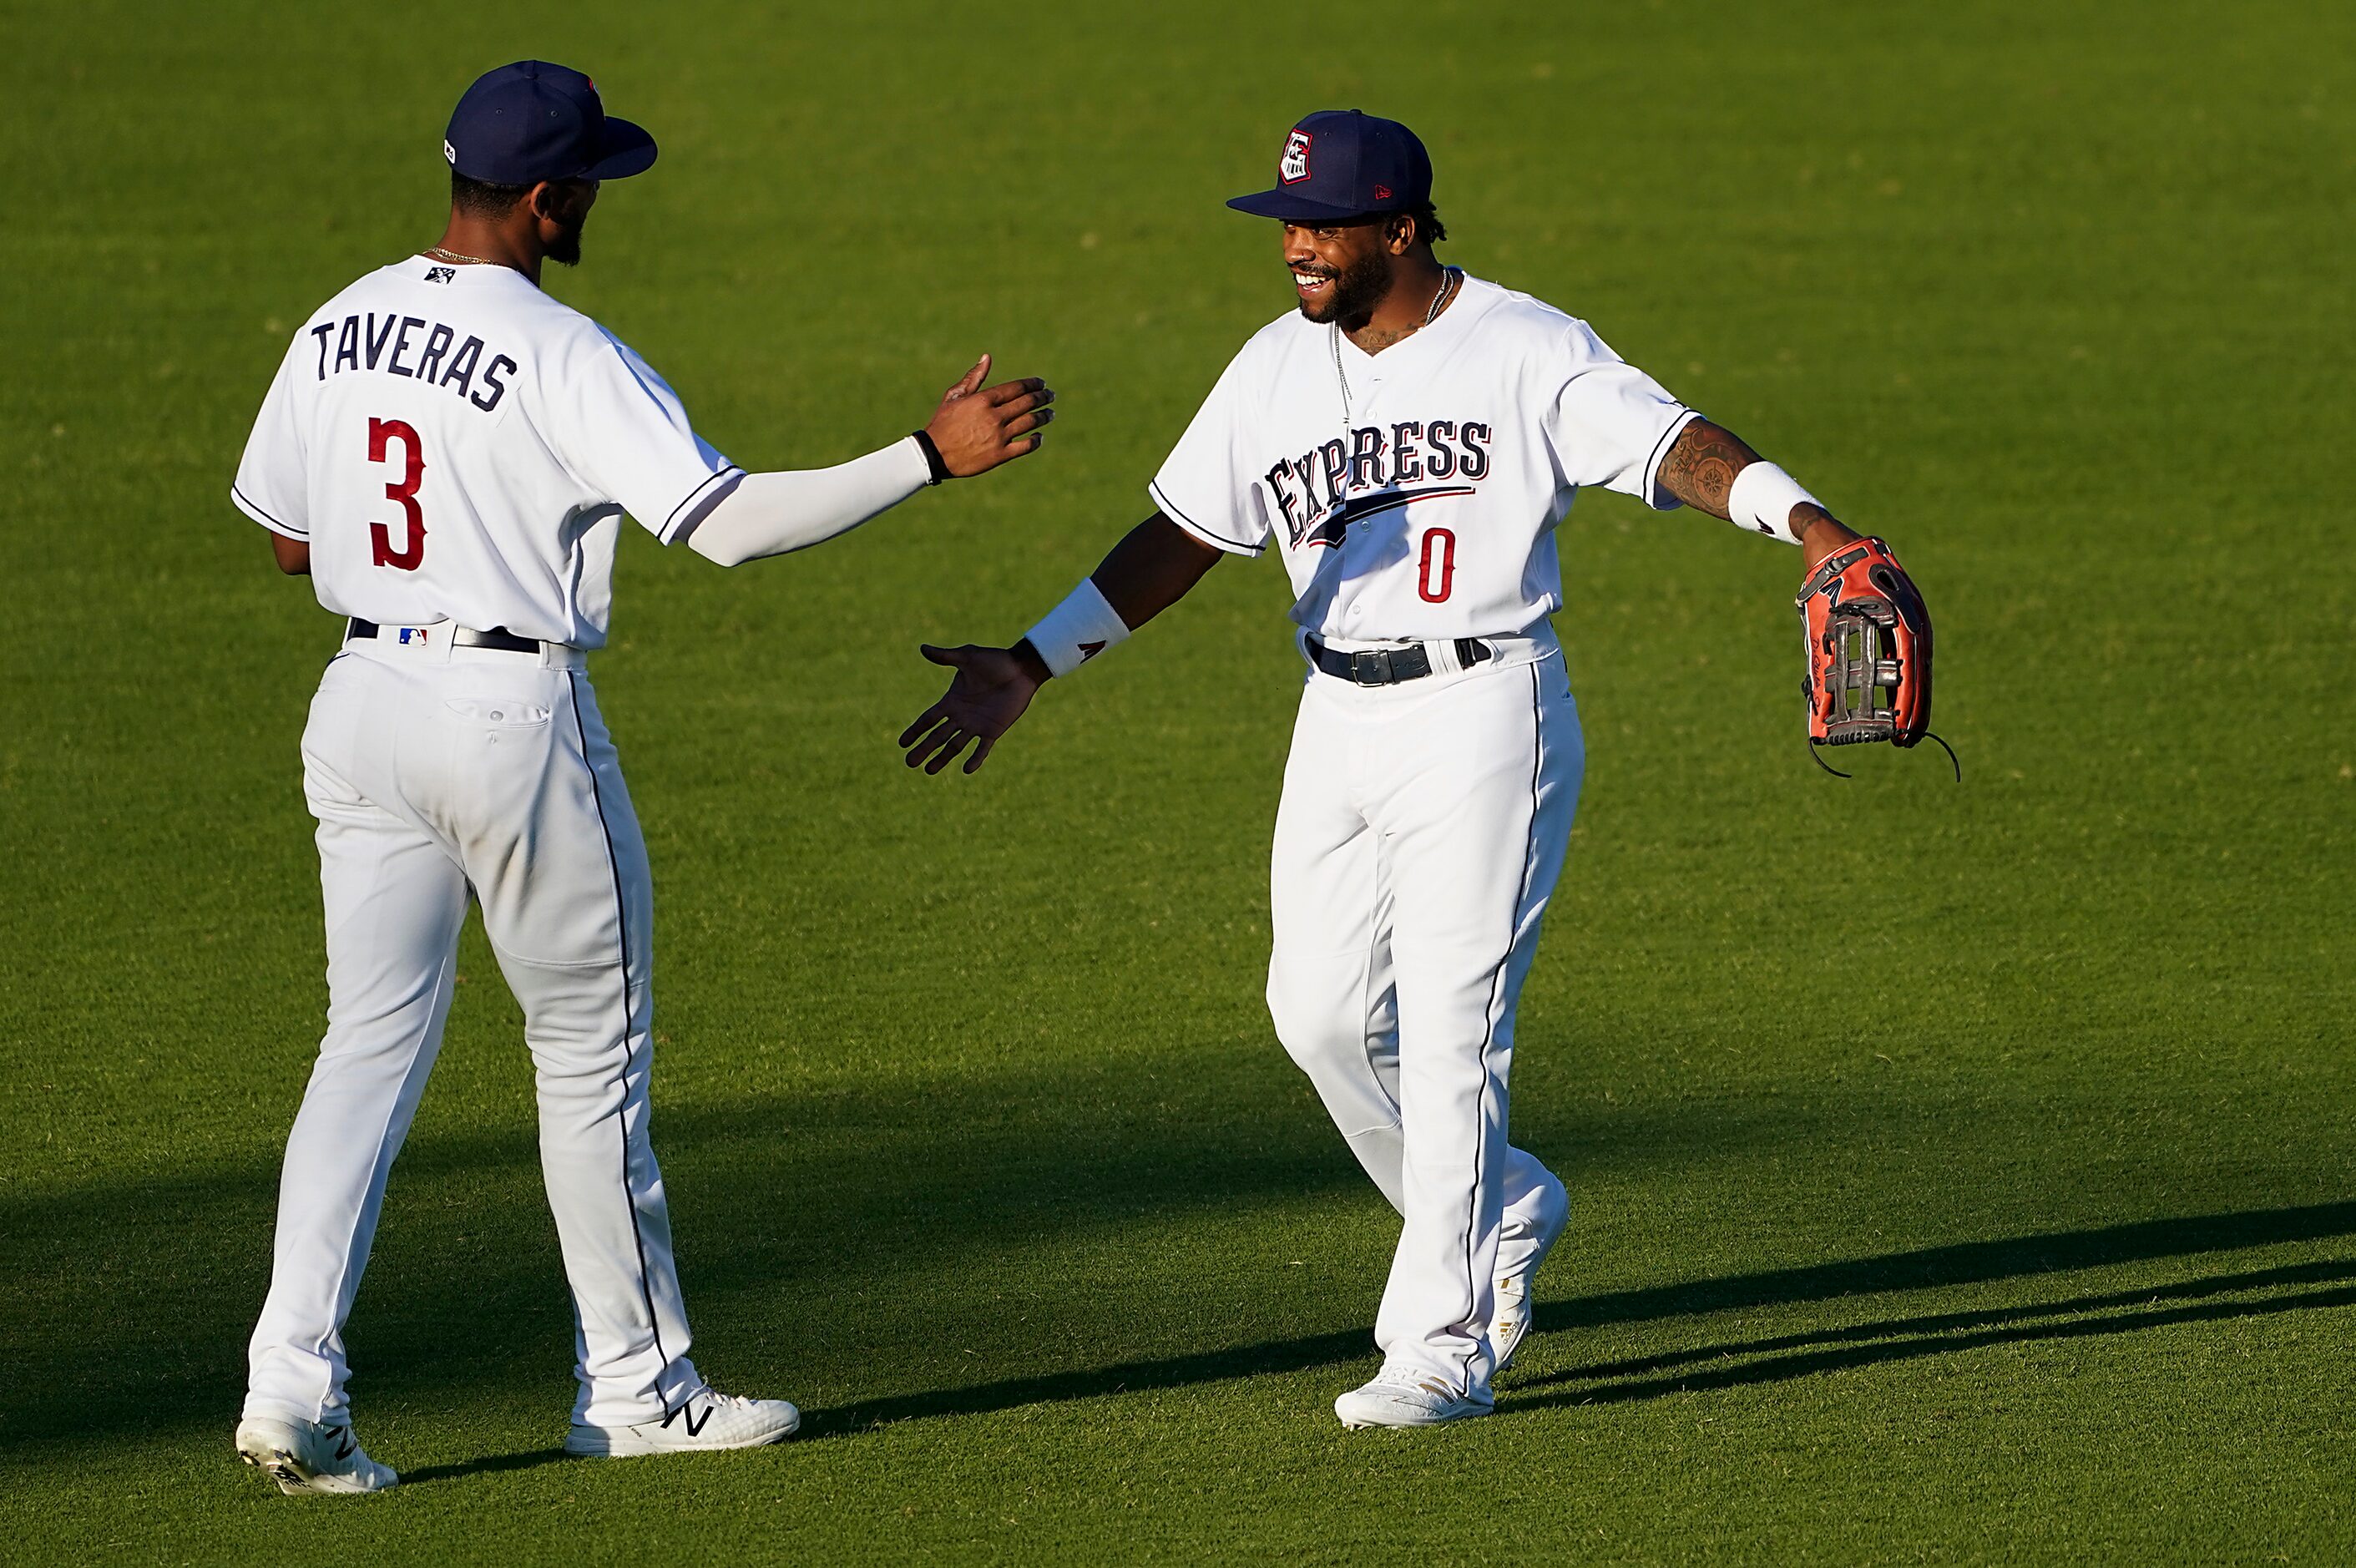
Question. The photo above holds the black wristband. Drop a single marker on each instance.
(933, 458)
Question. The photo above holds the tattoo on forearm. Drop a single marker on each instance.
(1701, 468)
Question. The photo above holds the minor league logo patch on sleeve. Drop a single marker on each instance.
(1293, 167)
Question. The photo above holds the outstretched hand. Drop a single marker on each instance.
(976, 428)
(989, 692)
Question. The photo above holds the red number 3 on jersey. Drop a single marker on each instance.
(382, 433)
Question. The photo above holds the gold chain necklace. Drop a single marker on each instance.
(445, 254)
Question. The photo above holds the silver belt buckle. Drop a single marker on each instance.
(1371, 666)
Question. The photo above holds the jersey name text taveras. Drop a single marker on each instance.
(367, 341)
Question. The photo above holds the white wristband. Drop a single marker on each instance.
(1079, 629)
(1763, 499)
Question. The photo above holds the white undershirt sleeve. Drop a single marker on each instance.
(769, 514)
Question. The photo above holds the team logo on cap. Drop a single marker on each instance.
(1293, 167)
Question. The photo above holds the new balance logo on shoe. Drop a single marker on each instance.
(704, 1420)
(694, 1427)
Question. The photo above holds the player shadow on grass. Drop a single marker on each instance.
(190, 1309)
(1786, 1356)
(1938, 1334)
(490, 1465)
(466, 1302)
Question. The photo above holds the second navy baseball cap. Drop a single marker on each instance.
(533, 121)
(1343, 163)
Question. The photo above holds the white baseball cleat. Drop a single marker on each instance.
(1405, 1397)
(1518, 1260)
(309, 1458)
(701, 1422)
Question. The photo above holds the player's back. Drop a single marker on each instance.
(455, 444)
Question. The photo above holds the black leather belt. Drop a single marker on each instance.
(500, 638)
(1389, 666)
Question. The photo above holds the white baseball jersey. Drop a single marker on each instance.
(456, 445)
(1414, 492)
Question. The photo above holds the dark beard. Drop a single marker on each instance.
(566, 251)
(1358, 290)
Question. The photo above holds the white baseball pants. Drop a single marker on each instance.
(432, 771)
(1422, 831)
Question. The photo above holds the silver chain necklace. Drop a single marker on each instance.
(1449, 279)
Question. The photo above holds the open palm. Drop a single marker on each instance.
(989, 692)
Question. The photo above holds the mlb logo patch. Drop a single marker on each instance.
(410, 634)
(1293, 167)
(440, 274)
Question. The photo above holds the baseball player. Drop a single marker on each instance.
(1406, 440)
(447, 451)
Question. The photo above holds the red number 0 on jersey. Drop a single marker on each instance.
(382, 433)
(1437, 575)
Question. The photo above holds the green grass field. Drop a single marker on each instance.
(1963, 1174)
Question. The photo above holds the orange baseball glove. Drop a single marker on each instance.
(1867, 643)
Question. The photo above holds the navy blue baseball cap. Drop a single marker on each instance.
(533, 121)
(1343, 163)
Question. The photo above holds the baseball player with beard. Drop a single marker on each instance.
(448, 453)
(1407, 440)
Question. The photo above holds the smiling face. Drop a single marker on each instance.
(1341, 272)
